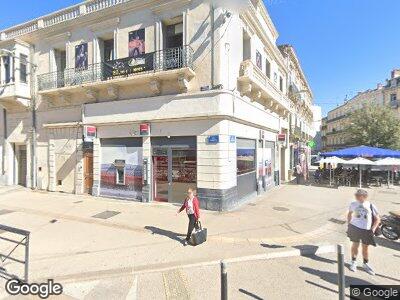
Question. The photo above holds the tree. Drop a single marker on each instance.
(376, 126)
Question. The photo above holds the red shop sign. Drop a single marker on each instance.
(144, 129)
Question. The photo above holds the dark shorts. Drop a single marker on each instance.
(356, 235)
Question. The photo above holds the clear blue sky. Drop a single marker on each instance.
(345, 46)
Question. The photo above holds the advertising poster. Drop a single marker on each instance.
(121, 169)
(269, 179)
(81, 56)
(137, 43)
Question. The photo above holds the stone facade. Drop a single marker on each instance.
(191, 71)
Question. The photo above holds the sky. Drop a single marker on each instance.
(344, 46)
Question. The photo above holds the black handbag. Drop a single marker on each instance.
(378, 230)
(199, 235)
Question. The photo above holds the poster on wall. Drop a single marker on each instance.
(81, 56)
(122, 169)
(269, 180)
(259, 60)
(137, 43)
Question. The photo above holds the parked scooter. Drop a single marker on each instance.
(390, 226)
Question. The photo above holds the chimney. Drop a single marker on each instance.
(395, 73)
(379, 86)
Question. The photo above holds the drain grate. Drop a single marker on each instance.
(337, 221)
(280, 208)
(106, 214)
(5, 211)
(272, 246)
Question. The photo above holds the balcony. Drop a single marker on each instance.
(259, 88)
(150, 68)
(14, 96)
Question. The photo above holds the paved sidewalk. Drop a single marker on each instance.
(93, 256)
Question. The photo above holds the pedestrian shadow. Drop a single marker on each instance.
(167, 233)
(309, 251)
(383, 242)
(251, 295)
(332, 278)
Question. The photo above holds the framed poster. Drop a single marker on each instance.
(137, 43)
(259, 60)
(81, 56)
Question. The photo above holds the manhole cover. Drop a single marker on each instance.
(53, 221)
(337, 221)
(279, 208)
(106, 214)
(5, 211)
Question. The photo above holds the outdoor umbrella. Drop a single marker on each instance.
(331, 161)
(390, 162)
(359, 161)
(363, 151)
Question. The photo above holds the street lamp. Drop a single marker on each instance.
(6, 52)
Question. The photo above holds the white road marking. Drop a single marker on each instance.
(132, 294)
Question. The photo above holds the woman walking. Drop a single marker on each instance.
(191, 205)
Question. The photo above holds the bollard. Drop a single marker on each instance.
(341, 277)
(224, 281)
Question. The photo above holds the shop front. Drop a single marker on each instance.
(174, 167)
(246, 167)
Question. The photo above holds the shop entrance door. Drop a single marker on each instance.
(88, 171)
(22, 168)
(174, 171)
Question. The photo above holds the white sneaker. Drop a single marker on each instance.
(368, 269)
(353, 266)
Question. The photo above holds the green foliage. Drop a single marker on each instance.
(376, 126)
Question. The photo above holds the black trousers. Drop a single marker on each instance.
(192, 225)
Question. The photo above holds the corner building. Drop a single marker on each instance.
(138, 100)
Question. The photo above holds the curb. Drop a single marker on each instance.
(306, 251)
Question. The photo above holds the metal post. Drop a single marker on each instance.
(341, 277)
(224, 281)
(26, 258)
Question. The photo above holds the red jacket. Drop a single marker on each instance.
(196, 207)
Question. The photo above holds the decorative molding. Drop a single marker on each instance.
(65, 98)
(105, 25)
(183, 83)
(91, 94)
(113, 91)
(155, 86)
(255, 95)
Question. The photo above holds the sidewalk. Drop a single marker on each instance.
(77, 249)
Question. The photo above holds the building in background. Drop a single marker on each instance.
(337, 120)
(301, 112)
(317, 123)
(140, 100)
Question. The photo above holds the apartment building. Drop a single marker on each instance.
(139, 100)
(338, 119)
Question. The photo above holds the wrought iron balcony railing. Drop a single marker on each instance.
(164, 60)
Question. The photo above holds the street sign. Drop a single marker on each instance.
(281, 137)
(144, 129)
(213, 139)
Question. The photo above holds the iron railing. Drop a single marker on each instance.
(164, 60)
(8, 256)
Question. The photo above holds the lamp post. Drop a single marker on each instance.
(5, 52)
